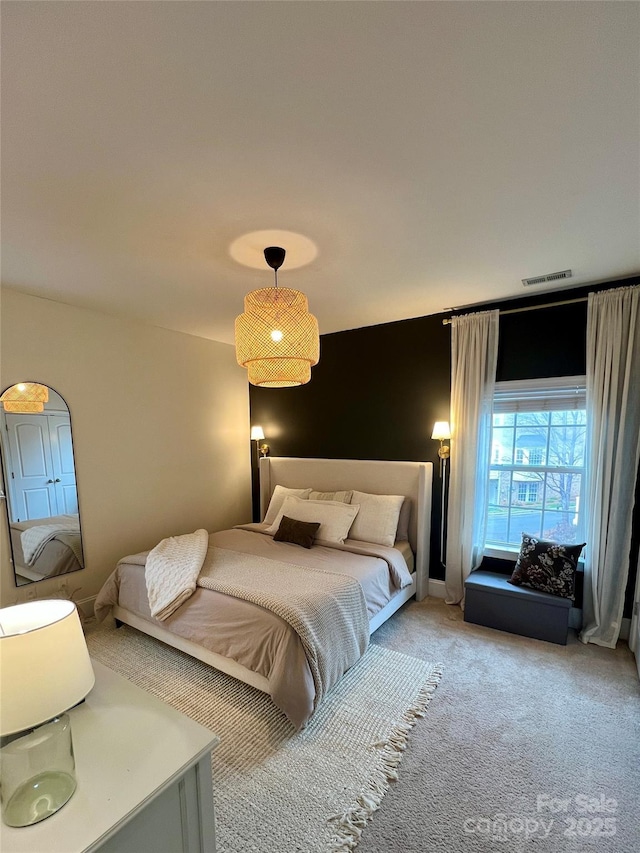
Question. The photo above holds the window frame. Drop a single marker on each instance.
(563, 393)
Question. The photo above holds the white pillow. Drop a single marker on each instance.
(335, 518)
(377, 520)
(279, 494)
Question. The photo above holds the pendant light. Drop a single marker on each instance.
(277, 339)
(25, 397)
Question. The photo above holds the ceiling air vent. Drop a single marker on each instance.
(542, 279)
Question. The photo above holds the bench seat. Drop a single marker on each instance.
(492, 601)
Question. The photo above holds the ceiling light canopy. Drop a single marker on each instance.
(277, 339)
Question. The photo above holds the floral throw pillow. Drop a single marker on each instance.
(547, 566)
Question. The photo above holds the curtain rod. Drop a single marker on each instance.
(535, 307)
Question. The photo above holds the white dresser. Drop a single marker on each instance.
(144, 779)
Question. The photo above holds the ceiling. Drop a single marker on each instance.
(435, 153)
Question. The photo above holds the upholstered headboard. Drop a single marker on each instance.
(412, 479)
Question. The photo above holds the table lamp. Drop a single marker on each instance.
(45, 670)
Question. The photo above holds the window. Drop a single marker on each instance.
(537, 462)
(528, 492)
(536, 456)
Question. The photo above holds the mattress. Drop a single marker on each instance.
(250, 635)
(57, 558)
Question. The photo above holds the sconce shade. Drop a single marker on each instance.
(45, 667)
(25, 397)
(257, 433)
(441, 431)
(277, 339)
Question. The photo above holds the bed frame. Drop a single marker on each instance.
(412, 479)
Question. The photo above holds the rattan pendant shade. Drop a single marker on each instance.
(277, 339)
(25, 398)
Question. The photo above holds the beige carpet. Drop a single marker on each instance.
(515, 720)
(276, 790)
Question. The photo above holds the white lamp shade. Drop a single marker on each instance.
(441, 431)
(257, 434)
(45, 667)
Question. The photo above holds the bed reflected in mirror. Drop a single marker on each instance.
(38, 467)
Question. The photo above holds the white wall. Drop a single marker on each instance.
(160, 425)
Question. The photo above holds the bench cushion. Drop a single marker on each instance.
(499, 584)
(492, 601)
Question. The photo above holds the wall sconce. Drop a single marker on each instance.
(442, 432)
(257, 435)
(45, 670)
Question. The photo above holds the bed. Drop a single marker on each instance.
(56, 547)
(246, 640)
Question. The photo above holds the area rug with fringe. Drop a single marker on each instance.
(277, 790)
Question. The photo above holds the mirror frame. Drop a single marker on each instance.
(58, 557)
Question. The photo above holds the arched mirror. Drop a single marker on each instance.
(40, 483)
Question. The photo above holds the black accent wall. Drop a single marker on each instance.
(378, 390)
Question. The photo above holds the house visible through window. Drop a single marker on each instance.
(528, 492)
(537, 461)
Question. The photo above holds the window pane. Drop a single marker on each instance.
(502, 445)
(527, 486)
(566, 446)
(531, 443)
(563, 491)
(497, 524)
(524, 521)
(504, 419)
(532, 419)
(576, 417)
(561, 527)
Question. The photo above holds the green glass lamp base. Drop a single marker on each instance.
(38, 798)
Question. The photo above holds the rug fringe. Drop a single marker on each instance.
(350, 824)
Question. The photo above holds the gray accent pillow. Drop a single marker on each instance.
(341, 497)
(402, 533)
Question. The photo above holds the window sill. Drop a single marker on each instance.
(502, 553)
(505, 554)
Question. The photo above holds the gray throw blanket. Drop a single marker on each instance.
(327, 610)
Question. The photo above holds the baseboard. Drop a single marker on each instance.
(437, 588)
(575, 618)
(86, 605)
(575, 622)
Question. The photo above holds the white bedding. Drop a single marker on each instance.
(34, 538)
(254, 644)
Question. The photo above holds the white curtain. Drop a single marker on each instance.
(613, 450)
(474, 355)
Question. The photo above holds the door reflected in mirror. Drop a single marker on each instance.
(41, 491)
